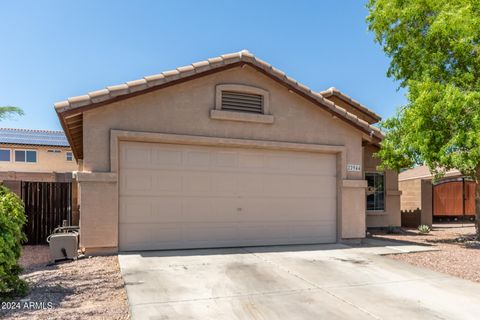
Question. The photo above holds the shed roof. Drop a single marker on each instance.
(70, 111)
(33, 137)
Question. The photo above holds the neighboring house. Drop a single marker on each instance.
(225, 152)
(450, 197)
(35, 155)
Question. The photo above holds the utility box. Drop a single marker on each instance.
(63, 245)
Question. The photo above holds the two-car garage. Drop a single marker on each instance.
(174, 196)
(225, 152)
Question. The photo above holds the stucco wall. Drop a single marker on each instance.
(391, 215)
(417, 197)
(411, 199)
(426, 202)
(46, 161)
(185, 109)
(98, 214)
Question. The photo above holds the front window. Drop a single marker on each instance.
(375, 191)
(26, 156)
(5, 155)
(69, 156)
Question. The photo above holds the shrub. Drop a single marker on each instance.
(392, 230)
(12, 219)
(423, 229)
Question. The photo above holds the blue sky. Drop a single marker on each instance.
(51, 50)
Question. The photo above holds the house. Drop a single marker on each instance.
(225, 152)
(35, 155)
(423, 198)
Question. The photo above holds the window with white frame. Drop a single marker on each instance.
(375, 191)
(29, 156)
(5, 155)
(69, 156)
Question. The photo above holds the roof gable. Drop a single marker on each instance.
(70, 111)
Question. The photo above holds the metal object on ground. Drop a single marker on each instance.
(64, 243)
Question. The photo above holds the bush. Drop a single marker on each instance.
(423, 229)
(12, 219)
(392, 230)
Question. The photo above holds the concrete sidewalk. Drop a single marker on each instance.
(385, 247)
(290, 282)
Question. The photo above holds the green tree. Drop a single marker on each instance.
(9, 111)
(12, 220)
(434, 46)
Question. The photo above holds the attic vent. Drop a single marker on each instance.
(243, 102)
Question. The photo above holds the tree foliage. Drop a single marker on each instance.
(9, 111)
(434, 46)
(12, 219)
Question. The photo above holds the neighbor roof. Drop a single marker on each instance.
(354, 103)
(70, 111)
(31, 137)
(423, 172)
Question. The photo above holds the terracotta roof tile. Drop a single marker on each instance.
(79, 101)
(118, 90)
(137, 85)
(200, 64)
(170, 73)
(335, 92)
(99, 95)
(155, 80)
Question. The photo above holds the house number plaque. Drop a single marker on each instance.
(353, 168)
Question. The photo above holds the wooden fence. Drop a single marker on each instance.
(47, 205)
(454, 198)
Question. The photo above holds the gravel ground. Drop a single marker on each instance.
(458, 255)
(90, 288)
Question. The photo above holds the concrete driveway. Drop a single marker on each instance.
(290, 282)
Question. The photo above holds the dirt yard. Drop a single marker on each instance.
(457, 255)
(90, 288)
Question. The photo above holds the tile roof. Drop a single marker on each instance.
(33, 137)
(335, 92)
(74, 106)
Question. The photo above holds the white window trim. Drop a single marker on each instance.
(377, 212)
(10, 152)
(218, 114)
(36, 157)
(66, 156)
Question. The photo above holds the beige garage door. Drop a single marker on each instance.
(181, 196)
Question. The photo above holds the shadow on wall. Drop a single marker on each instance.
(411, 218)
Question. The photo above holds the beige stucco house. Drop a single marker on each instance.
(225, 152)
(35, 155)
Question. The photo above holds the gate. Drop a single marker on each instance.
(454, 199)
(47, 205)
